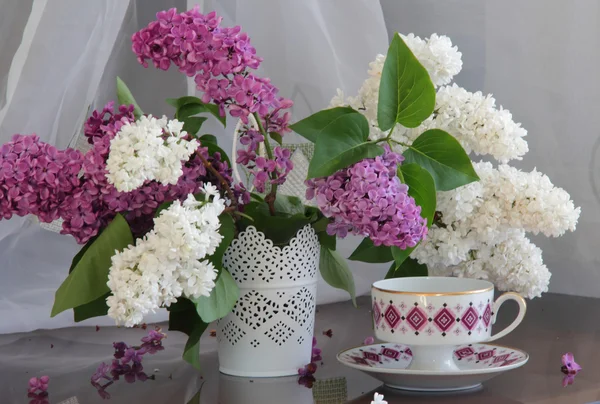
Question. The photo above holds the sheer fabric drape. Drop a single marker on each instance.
(60, 60)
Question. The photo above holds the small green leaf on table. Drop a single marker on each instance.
(444, 158)
(87, 281)
(336, 273)
(406, 93)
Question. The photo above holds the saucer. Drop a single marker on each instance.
(477, 363)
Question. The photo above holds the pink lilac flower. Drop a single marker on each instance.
(95, 202)
(569, 366)
(220, 60)
(368, 199)
(152, 343)
(568, 380)
(316, 352)
(127, 362)
(38, 398)
(369, 340)
(35, 177)
(37, 385)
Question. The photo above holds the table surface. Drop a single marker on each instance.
(554, 324)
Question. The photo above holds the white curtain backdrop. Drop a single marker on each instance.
(59, 68)
(539, 58)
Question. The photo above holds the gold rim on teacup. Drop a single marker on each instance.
(466, 292)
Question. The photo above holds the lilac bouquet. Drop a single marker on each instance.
(155, 205)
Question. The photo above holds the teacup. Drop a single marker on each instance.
(434, 314)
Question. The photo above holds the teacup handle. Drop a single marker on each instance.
(522, 309)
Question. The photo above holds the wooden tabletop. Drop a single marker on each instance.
(554, 324)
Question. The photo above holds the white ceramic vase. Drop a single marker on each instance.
(270, 329)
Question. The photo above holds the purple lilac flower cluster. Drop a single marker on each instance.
(263, 169)
(35, 177)
(219, 59)
(97, 201)
(38, 390)
(38, 179)
(127, 362)
(368, 199)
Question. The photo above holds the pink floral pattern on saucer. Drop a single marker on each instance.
(398, 356)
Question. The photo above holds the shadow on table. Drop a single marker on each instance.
(475, 396)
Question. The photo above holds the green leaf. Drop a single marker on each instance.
(221, 300)
(227, 230)
(344, 144)
(276, 137)
(181, 101)
(214, 148)
(208, 138)
(321, 225)
(336, 273)
(367, 252)
(279, 228)
(87, 281)
(126, 98)
(327, 241)
(189, 106)
(191, 351)
(257, 197)
(421, 187)
(321, 122)
(409, 267)
(78, 256)
(95, 308)
(444, 158)
(406, 93)
(161, 207)
(401, 255)
(289, 205)
(184, 317)
(192, 124)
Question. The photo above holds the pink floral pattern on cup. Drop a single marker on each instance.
(411, 317)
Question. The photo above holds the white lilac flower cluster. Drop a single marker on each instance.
(480, 232)
(480, 229)
(148, 149)
(168, 262)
